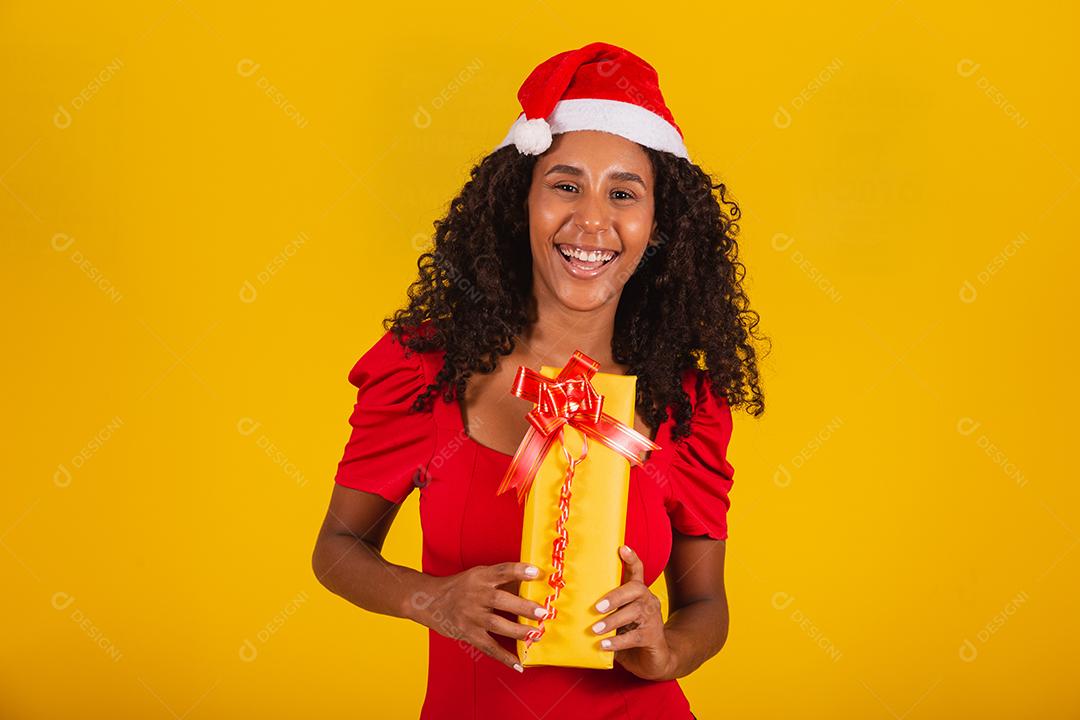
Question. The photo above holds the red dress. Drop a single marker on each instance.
(465, 524)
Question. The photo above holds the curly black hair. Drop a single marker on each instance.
(683, 307)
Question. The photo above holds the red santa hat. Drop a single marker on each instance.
(596, 87)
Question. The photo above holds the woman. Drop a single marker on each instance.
(587, 229)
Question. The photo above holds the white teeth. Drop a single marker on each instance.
(602, 255)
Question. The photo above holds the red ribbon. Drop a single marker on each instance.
(570, 399)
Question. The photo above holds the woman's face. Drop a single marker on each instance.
(591, 198)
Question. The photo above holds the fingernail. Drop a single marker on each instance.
(626, 550)
(605, 643)
(603, 605)
(517, 666)
(598, 627)
(539, 612)
(532, 571)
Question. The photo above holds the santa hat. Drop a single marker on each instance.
(596, 87)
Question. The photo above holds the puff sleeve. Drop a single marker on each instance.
(389, 441)
(700, 474)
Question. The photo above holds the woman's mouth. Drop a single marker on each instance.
(584, 261)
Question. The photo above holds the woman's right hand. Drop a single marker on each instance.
(462, 606)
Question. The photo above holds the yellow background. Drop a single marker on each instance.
(206, 209)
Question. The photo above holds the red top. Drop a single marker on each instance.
(465, 524)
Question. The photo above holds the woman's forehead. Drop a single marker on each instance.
(595, 152)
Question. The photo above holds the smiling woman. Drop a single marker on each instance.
(587, 228)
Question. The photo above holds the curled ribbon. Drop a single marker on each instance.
(571, 400)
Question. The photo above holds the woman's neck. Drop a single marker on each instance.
(559, 331)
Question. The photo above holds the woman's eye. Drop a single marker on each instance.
(622, 194)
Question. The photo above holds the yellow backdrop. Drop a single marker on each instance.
(207, 208)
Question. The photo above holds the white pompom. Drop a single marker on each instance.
(533, 136)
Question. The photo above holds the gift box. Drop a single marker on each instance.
(590, 465)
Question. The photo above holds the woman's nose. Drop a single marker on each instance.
(591, 214)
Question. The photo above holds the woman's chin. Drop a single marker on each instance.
(587, 298)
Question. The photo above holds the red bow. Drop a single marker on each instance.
(571, 400)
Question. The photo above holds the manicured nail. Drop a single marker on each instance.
(517, 666)
(598, 627)
(626, 550)
(532, 571)
(606, 644)
(603, 605)
(539, 612)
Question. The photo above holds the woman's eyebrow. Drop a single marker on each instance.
(627, 176)
(565, 169)
(623, 175)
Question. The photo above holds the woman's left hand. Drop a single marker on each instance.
(640, 644)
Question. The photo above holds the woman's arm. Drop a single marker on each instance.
(348, 559)
(697, 624)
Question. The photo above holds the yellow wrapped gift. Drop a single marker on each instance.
(572, 470)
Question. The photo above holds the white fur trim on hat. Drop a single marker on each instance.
(631, 121)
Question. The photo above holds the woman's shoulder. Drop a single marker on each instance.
(701, 474)
(390, 441)
(391, 355)
(702, 392)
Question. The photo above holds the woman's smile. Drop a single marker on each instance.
(585, 261)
